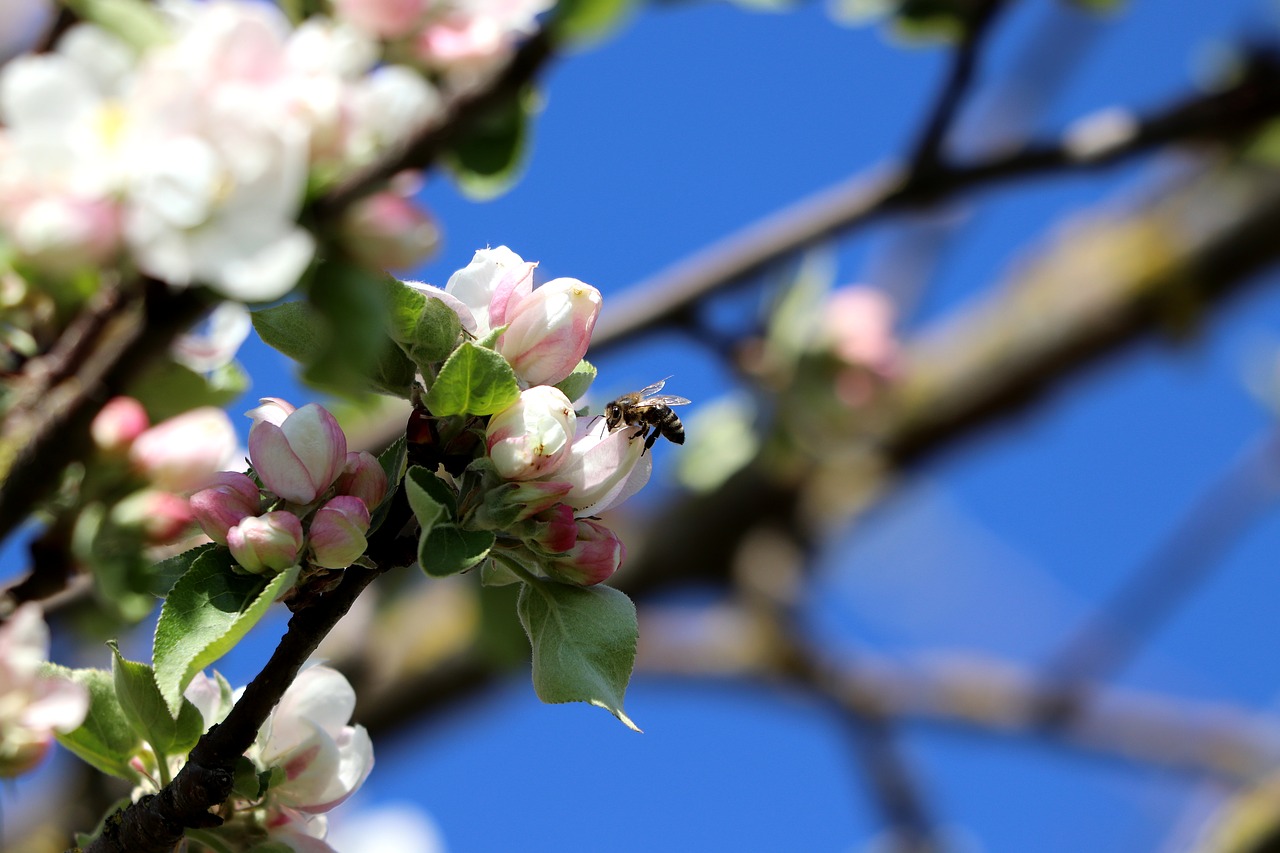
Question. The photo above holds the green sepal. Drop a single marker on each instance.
(584, 643)
(577, 383)
(207, 612)
(148, 713)
(473, 381)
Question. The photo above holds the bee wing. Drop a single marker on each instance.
(651, 389)
(664, 400)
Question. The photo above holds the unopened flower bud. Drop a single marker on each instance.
(272, 410)
(387, 230)
(302, 456)
(513, 502)
(594, 557)
(337, 532)
(549, 330)
(118, 423)
(268, 542)
(183, 452)
(220, 507)
(362, 477)
(552, 531)
(160, 516)
(531, 437)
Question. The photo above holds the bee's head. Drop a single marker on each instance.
(612, 415)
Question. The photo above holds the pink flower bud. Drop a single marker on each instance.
(552, 531)
(337, 532)
(389, 19)
(532, 436)
(220, 507)
(595, 556)
(491, 285)
(302, 456)
(160, 516)
(183, 452)
(267, 542)
(604, 468)
(858, 325)
(118, 423)
(362, 477)
(550, 330)
(387, 230)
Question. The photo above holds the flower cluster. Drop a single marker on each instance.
(171, 458)
(857, 328)
(317, 501)
(307, 759)
(460, 39)
(548, 469)
(32, 706)
(191, 158)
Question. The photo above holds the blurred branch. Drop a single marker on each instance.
(46, 426)
(662, 299)
(1222, 514)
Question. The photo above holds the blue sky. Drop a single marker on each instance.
(694, 121)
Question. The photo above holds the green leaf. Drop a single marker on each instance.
(426, 329)
(429, 498)
(207, 612)
(490, 153)
(577, 383)
(166, 388)
(392, 461)
(494, 574)
(474, 381)
(147, 712)
(358, 354)
(584, 643)
(168, 571)
(296, 329)
(136, 23)
(585, 21)
(447, 549)
(105, 740)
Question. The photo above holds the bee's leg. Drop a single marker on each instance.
(648, 442)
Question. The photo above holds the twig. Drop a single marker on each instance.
(858, 201)
(927, 154)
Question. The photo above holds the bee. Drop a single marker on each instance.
(650, 410)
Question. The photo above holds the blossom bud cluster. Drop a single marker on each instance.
(316, 498)
(191, 158)
(306, 753)
(550, 467)
(170, 459)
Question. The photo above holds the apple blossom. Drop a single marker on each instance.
(383, 18)
(273, 410)
(301, 457)
(118, 423)
(232, 497)
(337, 534)
(224, 331)
(182, 453)
(32, 706)
(594, 556)
(604, 468)
(858, 323)
(532, 436)
(362, 476)
(324, 759)
(550, 330)
(482, 292)
(268, 542)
